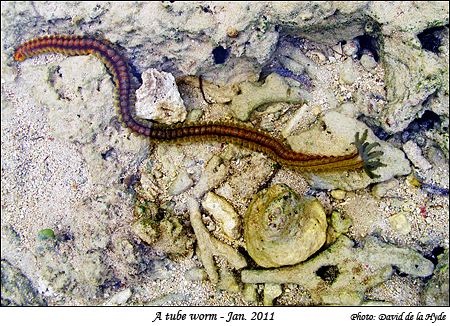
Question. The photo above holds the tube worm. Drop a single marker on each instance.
(215, 131)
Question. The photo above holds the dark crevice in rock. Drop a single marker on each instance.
(368, 43)
(399, 272)
(328, 273)
(428, 120)
(433, 257)
(220, 54)
(374, 126)
(431, 38)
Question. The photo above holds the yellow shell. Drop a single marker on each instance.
(281, 228)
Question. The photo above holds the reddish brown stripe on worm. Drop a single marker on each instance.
(125, 89)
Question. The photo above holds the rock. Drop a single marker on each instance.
(17, 289)
(215, 171)
(71, 162)
(208, 246)
(318, 56)
(351, 48)
(232, 32)
(196, 274)
(181, 183)
(342, 273)
(250, 293)
(223, 213)
(93, 269)
(127, 252)
(236, 71)
(348, 72)
(340, 222)
(87, 158)
(399, 223)
(158, 98)
(228, 281)
(368, 62)
(119, 298)
(349, 109)
(414, 153)
(58, 273)
(412, 74)
(253, 95)
(436, 289)
(340, 131)
(296, 61)
(337, 194)
(165, 234)
(271, 292)
(301, 119)
(282, 229)
(64, 92)
(159, 268)
(381, 189)
(252, 172)
(265, 41)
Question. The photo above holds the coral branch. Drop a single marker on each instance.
(209, 246)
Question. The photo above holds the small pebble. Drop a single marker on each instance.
(381, 189)
(400, 223)
(338, 194)
(368, 62)
(319, 56)
(348, 73)
(196, 274)
(232, 32)
(119, 298)
(351, 48)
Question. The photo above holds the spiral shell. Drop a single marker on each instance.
(281, 228)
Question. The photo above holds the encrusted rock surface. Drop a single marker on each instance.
(68, 164)
(17, 289)
(251, 96)
(342, 273)
(166, 234)
(436, 291)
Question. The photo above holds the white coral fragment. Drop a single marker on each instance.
(223, 213)
(158, 98)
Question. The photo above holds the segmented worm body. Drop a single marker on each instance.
(218, 131)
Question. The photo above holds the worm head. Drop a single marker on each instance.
(371, 158)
